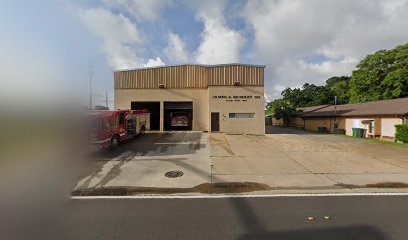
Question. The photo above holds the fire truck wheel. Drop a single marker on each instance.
(115, 142)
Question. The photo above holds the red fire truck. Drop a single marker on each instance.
(109, 128)
(180, 119)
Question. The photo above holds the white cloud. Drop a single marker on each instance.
(154, 63)
(118, 34)
(176, 49)
(296, 73)
(219, 42)
(287, 31)
(139, 9)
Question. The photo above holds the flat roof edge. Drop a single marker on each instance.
(188, 64)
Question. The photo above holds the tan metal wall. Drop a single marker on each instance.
(227, 75)
(189, 76)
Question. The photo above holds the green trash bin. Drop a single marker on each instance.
(354, 132)
(360, 132)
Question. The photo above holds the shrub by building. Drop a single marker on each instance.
(401, 133)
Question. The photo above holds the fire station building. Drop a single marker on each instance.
(216, 98)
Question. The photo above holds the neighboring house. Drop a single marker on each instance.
(270, 119)
(378, 118)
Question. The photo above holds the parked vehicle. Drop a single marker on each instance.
(179, 119)
(109, 128)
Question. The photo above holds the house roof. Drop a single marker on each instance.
(394, 107)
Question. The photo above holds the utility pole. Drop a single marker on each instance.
(335, 104)
(106, 100)
(90, 86)
(335, 112)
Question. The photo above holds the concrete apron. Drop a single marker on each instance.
(147, 169)
(279, 163)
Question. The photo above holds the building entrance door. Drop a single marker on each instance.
(215, 122)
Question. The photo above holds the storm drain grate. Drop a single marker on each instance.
(173, 174)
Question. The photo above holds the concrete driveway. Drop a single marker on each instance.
(283, 159)
(143, 162)
(296, 159)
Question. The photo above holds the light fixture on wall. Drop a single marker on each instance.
(237, 83)
(161, 85)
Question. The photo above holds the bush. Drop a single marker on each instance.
(401, 133)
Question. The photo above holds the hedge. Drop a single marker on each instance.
(401, 133)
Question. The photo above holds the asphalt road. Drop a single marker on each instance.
(362, 217)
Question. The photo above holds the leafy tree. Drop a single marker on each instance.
(309, 95)
(340, 86)
(382, 75)
(281, 109)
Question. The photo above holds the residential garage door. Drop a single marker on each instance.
(178, 116)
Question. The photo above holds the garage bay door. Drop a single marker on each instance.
(178, 115)
(154, 108)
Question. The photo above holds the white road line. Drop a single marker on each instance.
(215, 196)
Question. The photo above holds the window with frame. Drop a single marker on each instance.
(241, 115)
(121, 118)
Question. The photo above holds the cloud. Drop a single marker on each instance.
(296, 73)
(118, 34)
(154, 63)
(299, 41)
(287, 32)
(120, 37)
(176, 49)
(139, 9)
(219, 42)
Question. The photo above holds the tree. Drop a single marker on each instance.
(309, 95)
(382, 75)
(340, 86)
(281, 109)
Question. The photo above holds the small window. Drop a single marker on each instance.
(241, 115)
(121, 118)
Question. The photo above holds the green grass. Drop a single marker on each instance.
(398, 144)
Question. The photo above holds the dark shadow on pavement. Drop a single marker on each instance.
(255, 228)
(285, 130)
(156, 144)
(361, 232)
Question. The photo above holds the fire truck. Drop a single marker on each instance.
(108, 128)
(180, 119)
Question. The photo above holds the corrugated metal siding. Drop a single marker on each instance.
(227, 75)
(189, 76)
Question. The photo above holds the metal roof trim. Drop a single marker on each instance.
(188, 64)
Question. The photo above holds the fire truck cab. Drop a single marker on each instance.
(109, 128)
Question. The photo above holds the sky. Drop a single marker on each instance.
(48, 47)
